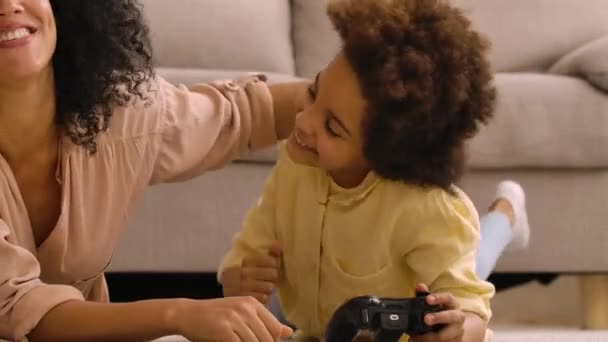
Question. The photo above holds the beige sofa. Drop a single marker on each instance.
(550, 131)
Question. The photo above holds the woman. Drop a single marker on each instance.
(85, 126)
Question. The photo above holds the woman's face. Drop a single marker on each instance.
(28, 37)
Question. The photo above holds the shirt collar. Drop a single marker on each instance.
(328, 189)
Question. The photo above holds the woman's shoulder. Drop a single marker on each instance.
(165, 108)
(140, 116)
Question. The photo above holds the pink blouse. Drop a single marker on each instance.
(176, 134)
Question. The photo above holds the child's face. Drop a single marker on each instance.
(328, 134)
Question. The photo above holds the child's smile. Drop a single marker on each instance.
(301, 144)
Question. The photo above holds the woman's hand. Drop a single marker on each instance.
(232, 319)
(452, 317)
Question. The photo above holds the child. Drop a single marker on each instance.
(362, 200)
(503, 228)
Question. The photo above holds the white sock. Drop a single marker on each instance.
(514, 193)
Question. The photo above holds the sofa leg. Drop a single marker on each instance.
(595, 301)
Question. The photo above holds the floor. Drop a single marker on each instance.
(531, 312)
(542, 314)
(558, 304)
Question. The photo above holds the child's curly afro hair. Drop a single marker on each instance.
(426, 80)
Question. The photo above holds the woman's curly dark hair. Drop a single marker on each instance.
(426, 80)
(103, 59)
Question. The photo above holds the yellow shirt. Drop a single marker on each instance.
(380, 238)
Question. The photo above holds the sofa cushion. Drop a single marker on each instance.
(531, 35)
(188, 226)
(220, 34)
(589, 62)
(191, 76)
(544, 121)
(526, 35)
(315, 41)
(541, 121)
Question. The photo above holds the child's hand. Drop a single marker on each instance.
(452, 317)
(260, 273)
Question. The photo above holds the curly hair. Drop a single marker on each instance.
(426, 81)
(103, 59)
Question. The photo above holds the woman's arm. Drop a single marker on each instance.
(226, 319)
(206, 126)
(80, 321)
(288, 100)
(43, 312)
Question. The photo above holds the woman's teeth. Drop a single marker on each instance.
(14, 35)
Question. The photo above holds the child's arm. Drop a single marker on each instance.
(257, 276)
(442, 256)
(251, 267)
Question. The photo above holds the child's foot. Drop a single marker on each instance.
(511, 201)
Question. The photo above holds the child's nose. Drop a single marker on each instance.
(305, 122)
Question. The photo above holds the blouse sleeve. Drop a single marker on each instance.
(24, 299)
(208, 125)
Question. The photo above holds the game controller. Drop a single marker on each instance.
(387, 318)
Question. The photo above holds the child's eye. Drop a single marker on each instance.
(312, 92)
(329, 129)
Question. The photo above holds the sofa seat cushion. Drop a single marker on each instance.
(544, 121)
(220, 34)
(189, 226)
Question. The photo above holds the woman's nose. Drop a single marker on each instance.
(9, 7)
